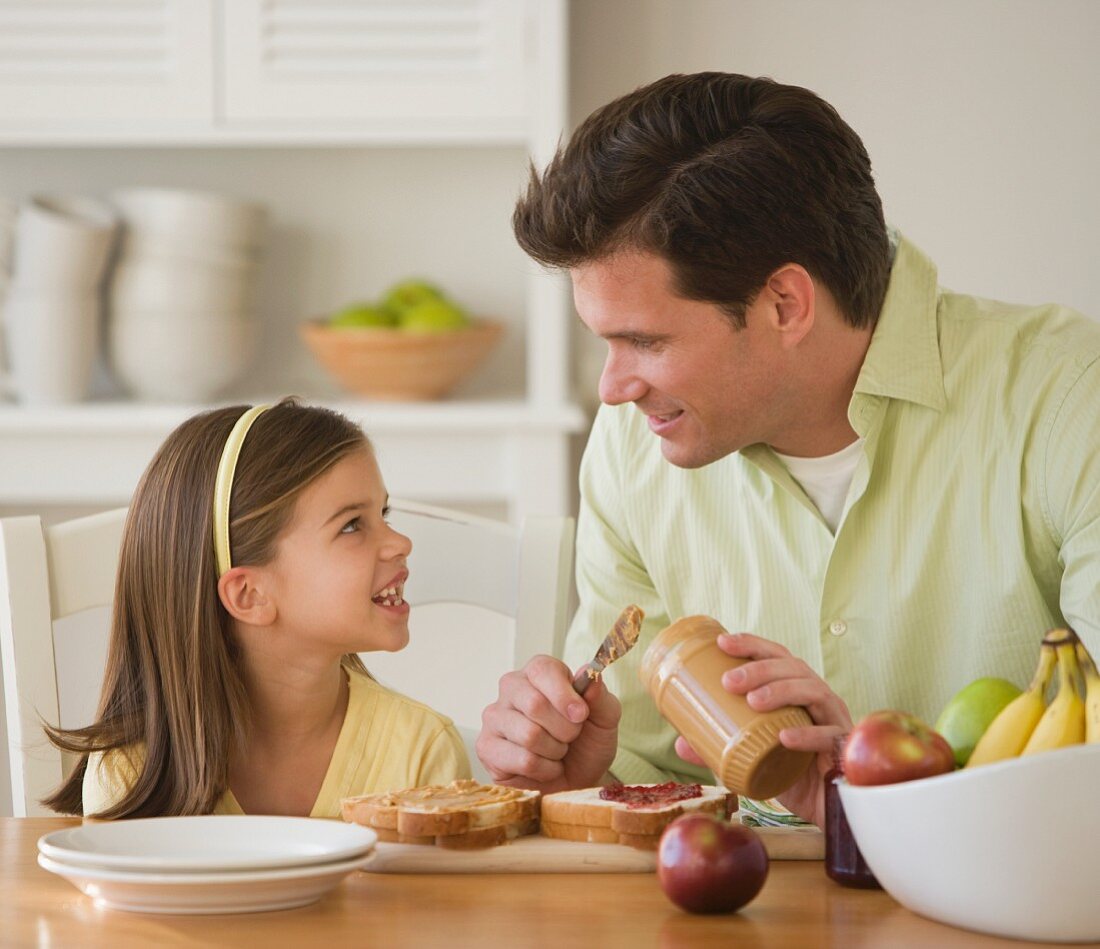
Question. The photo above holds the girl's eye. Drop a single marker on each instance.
(351, 526)
(386, 513)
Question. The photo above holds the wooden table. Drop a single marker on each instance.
(799, 907)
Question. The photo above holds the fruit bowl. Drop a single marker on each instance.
(1007, 848)
(399, 364)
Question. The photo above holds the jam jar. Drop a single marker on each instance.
(843, 861)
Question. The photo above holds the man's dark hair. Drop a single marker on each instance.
(727, 177)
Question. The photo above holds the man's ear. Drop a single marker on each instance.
(244, 594)
(791, 297)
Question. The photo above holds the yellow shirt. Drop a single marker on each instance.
(971, 526)
(387, 741)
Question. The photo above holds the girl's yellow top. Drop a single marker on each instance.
(387, 741)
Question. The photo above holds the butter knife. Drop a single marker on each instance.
(623, 635)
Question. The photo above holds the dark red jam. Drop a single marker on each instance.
(636, 796)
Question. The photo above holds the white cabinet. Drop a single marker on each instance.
(94, 74)
(273, 71)
(83, 67)
(401, 64)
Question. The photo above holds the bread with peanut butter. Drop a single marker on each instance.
(635, 815)
(461, 815)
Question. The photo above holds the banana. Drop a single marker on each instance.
(1009, 732)
(1092, 695)
(1063, 723)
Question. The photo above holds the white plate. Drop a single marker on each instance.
(207, 844)
(206, 893)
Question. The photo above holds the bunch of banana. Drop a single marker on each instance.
(1028, 725)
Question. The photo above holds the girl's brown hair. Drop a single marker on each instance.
(726, 177)
(173, 684)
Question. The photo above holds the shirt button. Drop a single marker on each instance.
(838, 627)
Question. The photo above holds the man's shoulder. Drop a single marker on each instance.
(1057, 335)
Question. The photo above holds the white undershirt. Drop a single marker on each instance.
(826, 480)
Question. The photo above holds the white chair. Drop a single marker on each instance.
(506, 589)
(521, 576)
(46, 574)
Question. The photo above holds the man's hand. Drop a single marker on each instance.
(541, 734)
(771, 679)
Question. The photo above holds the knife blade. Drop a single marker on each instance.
(623, 636)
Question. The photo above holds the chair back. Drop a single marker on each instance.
(46, 574)
(505, 589)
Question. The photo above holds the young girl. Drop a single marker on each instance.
(256, 562)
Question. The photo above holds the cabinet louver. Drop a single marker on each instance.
(104, 59)
(446, 61)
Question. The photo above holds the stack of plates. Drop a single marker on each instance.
(207, 864)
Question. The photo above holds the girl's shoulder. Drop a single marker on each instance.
(109, 775)
(368, 695)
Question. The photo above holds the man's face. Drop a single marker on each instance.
(706, 387)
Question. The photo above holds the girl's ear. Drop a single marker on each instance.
(245, 597)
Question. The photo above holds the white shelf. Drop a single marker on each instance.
(480, 134)
(515, 454)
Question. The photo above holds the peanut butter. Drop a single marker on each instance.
(682, 669)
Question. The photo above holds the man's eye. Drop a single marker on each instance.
(643, 344)
(351, 526)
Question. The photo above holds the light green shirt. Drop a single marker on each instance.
(972, 523)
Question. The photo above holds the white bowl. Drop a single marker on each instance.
(174, 356)
(1007, 848)
(197, 218)
(140, 282)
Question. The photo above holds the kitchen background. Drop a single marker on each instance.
(980, 117)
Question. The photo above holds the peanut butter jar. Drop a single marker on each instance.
(682, 669)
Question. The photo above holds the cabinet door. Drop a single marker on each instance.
(137, 62)
(413, 66)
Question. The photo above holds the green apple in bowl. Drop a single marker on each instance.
(407, 294)
(965, 718)
(433, 316)
(362, 315)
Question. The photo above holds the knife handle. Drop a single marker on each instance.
(582, 680)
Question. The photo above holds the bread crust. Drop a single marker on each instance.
(583, 815)
(460, 815)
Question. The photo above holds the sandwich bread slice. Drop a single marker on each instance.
(634, 815)
(461, 815)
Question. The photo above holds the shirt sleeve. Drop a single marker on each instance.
(444, 759)
(611, 575)
(1072, 472)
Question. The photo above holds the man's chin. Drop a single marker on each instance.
(683, 456)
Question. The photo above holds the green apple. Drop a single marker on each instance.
(409, 293)
(966, 717)
(359, 315)
(433, 316)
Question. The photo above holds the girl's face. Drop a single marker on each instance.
(339, 568)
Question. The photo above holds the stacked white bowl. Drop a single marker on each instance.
(183, 292)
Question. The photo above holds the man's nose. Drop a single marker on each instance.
(618, 382)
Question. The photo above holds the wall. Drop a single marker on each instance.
(980, 116)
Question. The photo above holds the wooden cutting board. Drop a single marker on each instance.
(538, 854)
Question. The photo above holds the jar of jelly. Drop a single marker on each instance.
(843, 861)
(682, 669)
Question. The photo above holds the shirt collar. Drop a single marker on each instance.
(903, 360)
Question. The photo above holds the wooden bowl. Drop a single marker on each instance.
(395, 364)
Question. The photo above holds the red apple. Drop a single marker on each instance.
(706, 865)
(888, 746)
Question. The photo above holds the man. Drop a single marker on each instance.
(893, 488)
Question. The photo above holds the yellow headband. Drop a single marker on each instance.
(223, 485)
